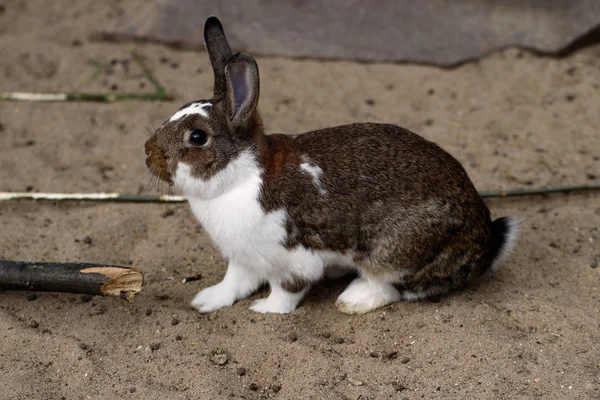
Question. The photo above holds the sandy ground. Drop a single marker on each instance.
(532, 330)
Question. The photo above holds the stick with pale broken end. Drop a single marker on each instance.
(85, 278)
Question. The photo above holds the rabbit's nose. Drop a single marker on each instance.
(147, 149)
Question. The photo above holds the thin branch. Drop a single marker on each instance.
(159, 93)
(539, 191)
(101, 197)
(137, 198)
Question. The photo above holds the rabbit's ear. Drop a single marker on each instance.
(242, 88)
(218, 51)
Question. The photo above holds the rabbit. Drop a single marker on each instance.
(374, 198)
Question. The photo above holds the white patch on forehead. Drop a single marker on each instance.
(194, 108)
(313, 170)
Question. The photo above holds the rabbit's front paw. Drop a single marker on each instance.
(212, 298)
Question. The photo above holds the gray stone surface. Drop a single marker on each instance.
(443, 32)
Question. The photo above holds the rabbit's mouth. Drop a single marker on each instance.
(158, 167)
(157, 161)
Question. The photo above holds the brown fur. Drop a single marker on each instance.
(295, 285)
(394, 200)
(398, 203)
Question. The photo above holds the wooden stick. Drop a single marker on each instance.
(96, 279)
(159, 93)
(137, 198)
(100, 197)
(539, 191)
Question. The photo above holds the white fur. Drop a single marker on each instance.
(237, 173)
(412, 296)
(237, 284)
(366, 294)
(510, 243)
(228, 207)
(194, 108)
(279, 301)
(315, 171)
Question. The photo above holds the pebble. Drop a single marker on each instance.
(374, 354)
(87, 240)
(31, 296)
(174, 321)
(192, 278)
(86, 298)
(393, 355)
(241, 371)
(292, 337)
(155, 346)
(405, 360)
(99, 310)
(178, 337)
(219, 357)
(253, 386)
(326, 335)
(132, 390)
(82, 346)
(167, 213)
(148, 312)
(355, 382)
(33, 324)
(398, 386)
(338, 340)
(276, 387)
(594, 264)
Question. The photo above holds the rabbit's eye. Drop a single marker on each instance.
(198, 137)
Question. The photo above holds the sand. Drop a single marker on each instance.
(531, 330)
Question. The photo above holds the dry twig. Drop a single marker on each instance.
(137, 198)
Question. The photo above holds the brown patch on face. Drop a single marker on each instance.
(156, 159)
(202, 159)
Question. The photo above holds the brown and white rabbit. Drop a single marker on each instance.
(373, 197)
